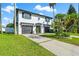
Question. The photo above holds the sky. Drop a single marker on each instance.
(40, 8)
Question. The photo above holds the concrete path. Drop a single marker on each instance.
(74, 36)
(57, 47)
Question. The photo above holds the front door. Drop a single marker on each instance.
(38, 29)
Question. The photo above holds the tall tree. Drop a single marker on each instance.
(71, 22)
(52, 6)
(71, 9)
(59, 20)
(15, 32)
(0, 19)
(60, 16)
(10, 25)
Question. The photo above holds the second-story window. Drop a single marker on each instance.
(47, 19)
(26, 15)
(38, 18)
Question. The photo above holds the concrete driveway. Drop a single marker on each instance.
(36, 38)
(57, 47)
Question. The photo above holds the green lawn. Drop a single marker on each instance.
(71, 41)
(17, 45)
(76, 34)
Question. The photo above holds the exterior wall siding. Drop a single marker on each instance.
(34, 19)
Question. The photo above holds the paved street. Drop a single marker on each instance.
(57, 47)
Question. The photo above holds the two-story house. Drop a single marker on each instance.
(32, 23)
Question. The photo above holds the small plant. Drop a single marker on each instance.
(61, 35)
(65, 35)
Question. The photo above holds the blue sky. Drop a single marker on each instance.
(41, 8)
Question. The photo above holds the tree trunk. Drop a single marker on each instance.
(53, 19)
(0, 19)
(78, 19)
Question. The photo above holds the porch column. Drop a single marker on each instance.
(34, 29)
(42, 28)
(19, 28)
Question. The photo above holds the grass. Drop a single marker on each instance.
(74, 41)
(76, 34)
(17, 45)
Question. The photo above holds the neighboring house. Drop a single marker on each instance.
(3, 29)
(9, 30)
(32, 23)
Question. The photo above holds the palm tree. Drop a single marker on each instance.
(0, 20)
(52, 6)
(15, 18)
(71, 22)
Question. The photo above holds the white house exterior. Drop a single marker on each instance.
(9, 30)
(32, 23)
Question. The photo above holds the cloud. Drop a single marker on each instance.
(45, 8)
(8, 20)
(3, 29)
(41, 13)
(3, 25)
(8, 9)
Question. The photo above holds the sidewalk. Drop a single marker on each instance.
(57, 47)
(74, 36)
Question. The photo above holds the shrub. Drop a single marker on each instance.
(61, 35)
(65, 35)
(51, 31)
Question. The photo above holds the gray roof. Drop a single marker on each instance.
(32, 13)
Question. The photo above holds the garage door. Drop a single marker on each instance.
(27, 29)
(46, 29)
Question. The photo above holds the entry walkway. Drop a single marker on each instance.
(57, 47)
